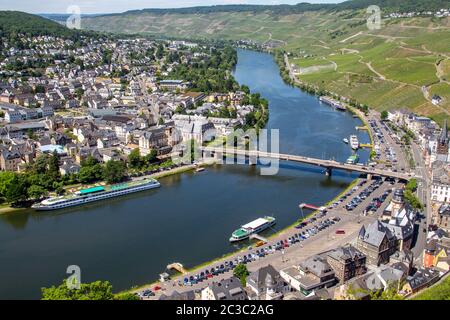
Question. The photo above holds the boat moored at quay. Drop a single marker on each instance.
(332, 103)
(253, 227)
(354, 142)
(96, 193)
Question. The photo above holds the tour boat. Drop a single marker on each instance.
(354, 143)
(95, 194)
(255, 226)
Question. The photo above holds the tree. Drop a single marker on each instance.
(6, 179)
(384, 115)
(98, 290)
(389, 293)
(245, 89)
(36, 192)
(90, 171)
(114, 171)
(412, 185)
(17, 190)
(412, 200)
(241, 273)
(89, 174)
(126, 296)
(151, 157)
(134, 159)
(53, 165)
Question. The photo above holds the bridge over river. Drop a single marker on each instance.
(328, 165)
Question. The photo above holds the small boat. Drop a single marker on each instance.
(353, 159)
(354, 143)
(200, 169)
(345, 140)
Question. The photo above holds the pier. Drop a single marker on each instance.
(258, 237)
(177, 267)
(308, 206)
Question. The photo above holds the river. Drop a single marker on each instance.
(129, 241)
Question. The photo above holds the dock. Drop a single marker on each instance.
(177, 267)
(258, 237)
(308, 206)
(362, 128)
(365, 145)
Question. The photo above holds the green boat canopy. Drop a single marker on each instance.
(92, 190)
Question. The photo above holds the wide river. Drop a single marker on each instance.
(129, 241)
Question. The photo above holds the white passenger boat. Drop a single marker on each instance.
(354, 143)
(255, 226)
(95, 194)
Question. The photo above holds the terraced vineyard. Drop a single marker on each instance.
(401, 65)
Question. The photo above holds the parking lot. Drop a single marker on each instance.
(326, 229)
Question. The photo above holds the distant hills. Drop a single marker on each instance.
(402, 64)
(283, 9)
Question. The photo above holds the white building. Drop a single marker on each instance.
(12, 116)
(440, 187)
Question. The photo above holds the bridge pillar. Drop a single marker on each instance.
(369, 176)
(252, 160)
(328, 172)
(218, 155)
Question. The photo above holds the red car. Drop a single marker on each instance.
(340, 231)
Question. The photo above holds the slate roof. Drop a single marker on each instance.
(316, 265)
(375, 233)
(228, 289)
(259, 278)
(188, 295)
(346, 253)
(423, 277)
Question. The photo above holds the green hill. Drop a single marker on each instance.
(14, 22)
(283, 9)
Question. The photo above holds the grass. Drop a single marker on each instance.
(439, 291)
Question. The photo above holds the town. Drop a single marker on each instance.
(111, 100)
(87, 114)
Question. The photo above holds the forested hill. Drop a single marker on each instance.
(14, 22)
(283, 9)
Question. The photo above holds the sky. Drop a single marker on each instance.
(113, 6)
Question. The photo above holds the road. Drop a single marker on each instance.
(423, 192)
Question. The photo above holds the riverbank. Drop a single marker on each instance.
(217, 260)
(7, 209)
